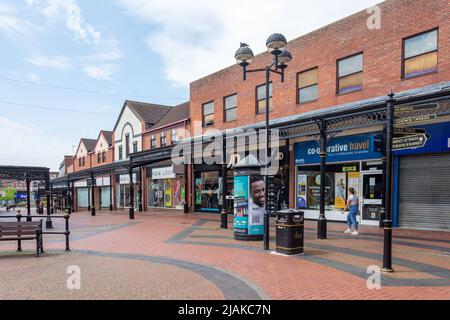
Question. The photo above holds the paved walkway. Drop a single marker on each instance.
(169, 255)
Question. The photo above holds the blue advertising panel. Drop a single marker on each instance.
(241, 203)
(438, 140)
(340, 149)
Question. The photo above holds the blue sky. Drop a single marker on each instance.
(146, 50)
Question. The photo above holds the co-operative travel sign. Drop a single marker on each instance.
(358, 147)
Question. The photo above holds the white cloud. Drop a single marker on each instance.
(108, 51)
(101, 72)
(13, 26)
(197, 37)
(22, 144)
(69, 12)
(55, 62)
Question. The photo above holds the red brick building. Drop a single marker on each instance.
(341, 67)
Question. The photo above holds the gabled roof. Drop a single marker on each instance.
(176, 114)
(148, 113)
(88, 143)
(108, 136)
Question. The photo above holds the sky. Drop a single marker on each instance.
(67, 66)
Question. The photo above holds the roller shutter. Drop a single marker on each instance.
(424, 192)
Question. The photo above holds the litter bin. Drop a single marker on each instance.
(289, 231)
(41, 210)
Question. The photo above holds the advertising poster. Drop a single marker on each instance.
(301, 191)
(353, 181)
(313, 190)
(256, 206)
(340, 187)
(241, 204)
(198, 191)
(168, 194)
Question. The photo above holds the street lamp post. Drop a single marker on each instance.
(281, 57)
(387, 250)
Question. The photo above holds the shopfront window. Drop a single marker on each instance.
(338, 179)
(207, 191)
(166, 193)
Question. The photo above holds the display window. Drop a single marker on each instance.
(208, 187)
(338, 179)
(166, 193)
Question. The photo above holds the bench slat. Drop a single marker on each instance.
(24, 223)
(16, 233)
(20, 228)
(12, 238)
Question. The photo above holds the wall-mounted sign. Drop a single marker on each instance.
(349, 169)
(408, 131)
(163, 173)
(417, 119)
(125, 178)
(348, 148)
(409, 142)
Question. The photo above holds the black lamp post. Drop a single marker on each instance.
(281, 57)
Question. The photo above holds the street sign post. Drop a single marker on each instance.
(409, 142)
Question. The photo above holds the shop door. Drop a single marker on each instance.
(424, 193)
(372, 197)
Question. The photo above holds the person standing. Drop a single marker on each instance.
(353, 206)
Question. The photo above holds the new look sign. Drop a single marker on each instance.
(350, 148)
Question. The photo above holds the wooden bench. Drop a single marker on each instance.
(21, 231)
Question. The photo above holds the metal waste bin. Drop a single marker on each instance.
(290, 231)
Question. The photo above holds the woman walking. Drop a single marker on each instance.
(353, 206)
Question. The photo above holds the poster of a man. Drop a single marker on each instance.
(257, 204)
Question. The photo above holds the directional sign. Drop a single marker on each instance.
(409, 131)
(416, 119)
(419, 107)
(409, 142)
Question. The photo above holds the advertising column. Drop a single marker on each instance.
(249, 200)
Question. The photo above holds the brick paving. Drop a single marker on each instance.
(171, 255)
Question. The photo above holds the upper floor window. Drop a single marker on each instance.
(79, 162)
(99, 157)
(163, 138)
(420, 54)
(208, 114)
(153, 142)
(261, 98)
(308, 87)
(135, 147)
(230, 108)
(127, 145)
(103, 156)
(350, 74)
(174, 136)
(120, 152)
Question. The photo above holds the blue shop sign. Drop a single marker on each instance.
(21, 196)
(349, 148)
(438, 140)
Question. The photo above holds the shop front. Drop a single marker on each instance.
(82, 194)
(123, 190)
(208, 187)
(421, 178)
(103, 192)
(166, 187)
(352, 161)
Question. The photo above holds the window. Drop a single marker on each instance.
(79, 162)
(120, 153)
(208, 114)
(308, 88)
(103, 156)
(153, 142)
(230, 108)
(420, 54)
(174, 136)
(135, 147)
(127, 145)
(261, 98)
(163, 139)
(350, 74)
(99, 157)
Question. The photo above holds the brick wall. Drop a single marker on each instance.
(382, 51)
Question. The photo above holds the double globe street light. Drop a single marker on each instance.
(276, 44)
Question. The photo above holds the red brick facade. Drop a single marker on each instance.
(382, 63)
